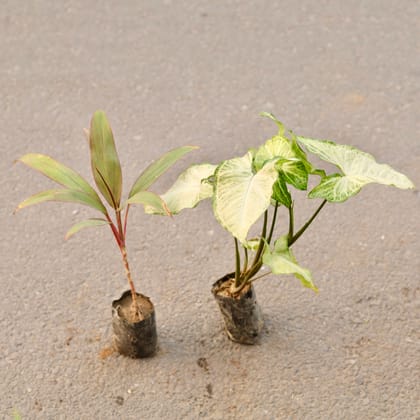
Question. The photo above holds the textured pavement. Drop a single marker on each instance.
(170, 73)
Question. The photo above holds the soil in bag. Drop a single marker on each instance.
(242, 314)
(134, 338)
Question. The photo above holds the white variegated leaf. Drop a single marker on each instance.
(189, 189)
(240, 195)
(282, 261)
(359, 169)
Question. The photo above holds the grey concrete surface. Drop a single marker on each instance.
(170, 73)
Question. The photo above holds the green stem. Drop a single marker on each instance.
(240, 283)
(273, 222)
(237, 264)
(125, 220)
(249, 278)
(245, 261)
(259, 277)
(291, 223)
(306, 225)
(262, 240)
(236, 290)
(254, 270)
(257, 262)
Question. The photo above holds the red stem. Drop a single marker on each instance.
(114, 231)
(121, 231)
(119, 235)
(120, 227)
(135, 307)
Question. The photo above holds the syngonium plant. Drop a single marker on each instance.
(246, 189)
(107, 174)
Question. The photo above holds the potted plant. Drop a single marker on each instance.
(133, 314)
(253, 189)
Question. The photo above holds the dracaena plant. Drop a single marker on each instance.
(107, 174)
(251, 189)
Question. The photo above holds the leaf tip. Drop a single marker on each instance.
(20, 159)
(98, 113)
(168, 212)
(69, 234)
(266, 114)
(18, 207)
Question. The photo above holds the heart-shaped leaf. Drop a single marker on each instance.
(336, 188)
(276, 147)
(240, 195)
(280, 192)
(282, 261)
(294, 172)
(284, 146)
(359, 169)
(189, 189)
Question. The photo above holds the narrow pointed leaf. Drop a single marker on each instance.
(105, 163)
(151, 202)
(189, 189)
(69, 196)
(282, 261)
(84, 224)
(58, 172)
(359, 168)
(240, 195)
(159, 167)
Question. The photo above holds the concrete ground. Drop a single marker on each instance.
(170, 73)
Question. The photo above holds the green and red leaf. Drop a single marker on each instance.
(105, 163)
(157, 168)
(64, 195)
(84, 224)
(58, 172)
(150, 201)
